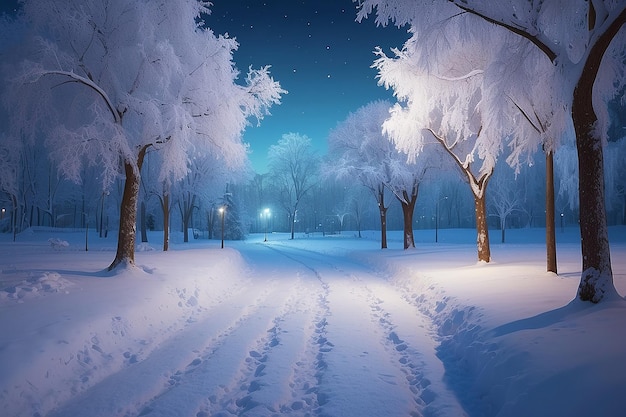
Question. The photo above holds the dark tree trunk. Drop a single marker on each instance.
(597, 276)
(144, 232)
(165, 206)
(482, 230)
(210, 222)
(187, 215)
(128, 214)
(292, 219)
(383, 217)
(550, 225)
(185, 219)
(408, 207)
(383, 226)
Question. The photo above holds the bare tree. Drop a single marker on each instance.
(293, 167)
(504, 200)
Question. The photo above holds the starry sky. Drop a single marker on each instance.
(317, 51)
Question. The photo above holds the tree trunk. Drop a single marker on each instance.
(383, 217)
(597, 276)
(210, 222)
(187, 215)
(293, 222)
(408, 206)
(185, 219)
(128, 215)
(165, 206)
(407, 214)
(550, 225)
(482, 230)
(144, 232)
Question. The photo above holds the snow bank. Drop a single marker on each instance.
(118, 325)
(513, 340)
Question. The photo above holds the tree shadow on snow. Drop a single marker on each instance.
(573, 309)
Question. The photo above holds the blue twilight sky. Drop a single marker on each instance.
(317, 51)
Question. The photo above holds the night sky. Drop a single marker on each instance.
(317, 51)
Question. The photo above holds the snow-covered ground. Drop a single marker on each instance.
(320, 326)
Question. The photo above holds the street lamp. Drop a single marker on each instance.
(222, 209)
(3, 211)
(266, 215)
(437, 218)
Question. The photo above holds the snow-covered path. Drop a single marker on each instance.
(306, 333)
(316, 326)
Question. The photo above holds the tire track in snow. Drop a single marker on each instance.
(354, 358)
(118, 395)
(401, 328)
(279, 376)
(288, 343)
(209, 382)
(268, 358)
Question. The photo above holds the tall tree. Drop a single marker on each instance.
(448, 105)
(582, 41)
(358, 149)
(294, 167)
(133, 76)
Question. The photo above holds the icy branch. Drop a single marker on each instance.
(460, 78)
(90, 84)
(515, 29)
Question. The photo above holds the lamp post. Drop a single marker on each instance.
(437, 218)
(266, 215)
(222, 209)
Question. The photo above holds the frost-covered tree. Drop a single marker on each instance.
(112, 79)
(584, 41)
(446, 105)
(203, 186)
(405, 178)
(357, 149)
(293, 166)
